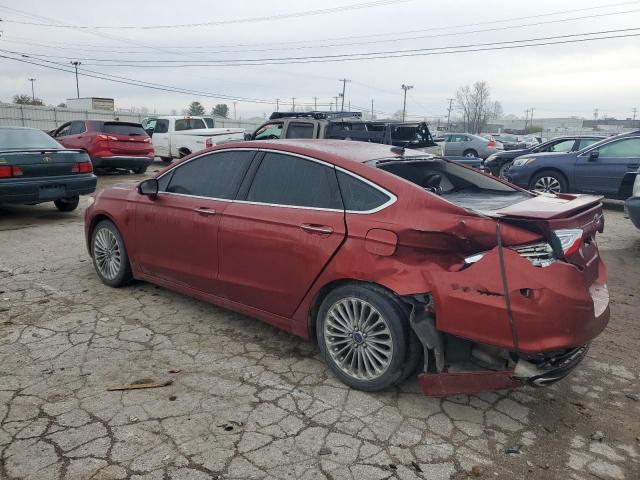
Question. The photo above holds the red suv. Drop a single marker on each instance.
(110, 145)
(387, 258)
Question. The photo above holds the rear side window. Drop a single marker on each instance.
(300, 130)
(628, 147)
(585, 142)
(287, 180)
(359, 196)
(217, 175)
(122, 128)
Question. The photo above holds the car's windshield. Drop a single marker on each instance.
(12, 138)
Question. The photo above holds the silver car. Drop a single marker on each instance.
(468, 145)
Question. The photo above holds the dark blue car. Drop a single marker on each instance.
(607, 167)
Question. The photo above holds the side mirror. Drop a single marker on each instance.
(593, 155)
(149, 131)
(148, 187)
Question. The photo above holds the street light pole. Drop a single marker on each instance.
(75, 63)
(404, 104)
(33, 93)
(344, 86)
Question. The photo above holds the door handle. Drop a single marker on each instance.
(319, 229)
(204, 211)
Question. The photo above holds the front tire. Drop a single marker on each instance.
(363, 335)
(109, 254)
(67, 204)
(502, 172)
(166, 159)
(548, 181)
(139, 170)
(470, 153)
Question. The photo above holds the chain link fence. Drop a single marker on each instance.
(49, 118)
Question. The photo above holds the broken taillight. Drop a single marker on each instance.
(570, 239)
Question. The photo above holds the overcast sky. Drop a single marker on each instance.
(557, 80)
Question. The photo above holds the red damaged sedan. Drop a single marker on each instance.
(387, 258)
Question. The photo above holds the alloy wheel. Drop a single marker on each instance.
(547, 185)
(358, 339)
(107, 253)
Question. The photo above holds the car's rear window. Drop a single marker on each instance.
(14, 138)
(190, 124)
(118, 128)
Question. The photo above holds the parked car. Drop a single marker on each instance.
(468, 145)
(510, 142)
(387, 258)
(632, 204)
(176, 137)
(606, 167)
(347, 126)
(110, 144)
(498, 163)
(34, 168)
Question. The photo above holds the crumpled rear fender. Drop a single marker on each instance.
(551, 307)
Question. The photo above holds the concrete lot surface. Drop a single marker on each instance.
(248, 401)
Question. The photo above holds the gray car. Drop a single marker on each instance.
(468, 145)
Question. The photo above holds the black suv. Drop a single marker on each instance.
(346, 126)
(499, 163)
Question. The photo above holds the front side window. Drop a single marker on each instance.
(300, 130)
(625, 148)
(77, 128)
(63, 131)
(359, 196)
(563, 146)
(270, 131)
(161, 126)
(585, 142)
(217, 175)
(287, 180)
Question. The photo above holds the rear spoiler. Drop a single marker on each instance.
(40, 150)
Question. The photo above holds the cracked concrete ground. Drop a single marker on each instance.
(249, 401)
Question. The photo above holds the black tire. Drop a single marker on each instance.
(502, 171)
(470, 153)
(67, 204)
(183, 152)
(166, 159)
(550, 178)
(405, 352)
(139, 170)
(123, 275)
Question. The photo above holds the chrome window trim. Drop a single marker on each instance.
(391, 197)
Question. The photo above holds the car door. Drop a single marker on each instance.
(276, 241)
(160, 137)
(77, 137)
(177, 232)
(62, 133)
(602, 169)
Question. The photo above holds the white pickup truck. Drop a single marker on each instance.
(175, 136)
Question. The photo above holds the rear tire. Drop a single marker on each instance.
(109, 255)
(363, 335)
(471, 153)
(166, 159)
(139, 170)
(67, 204)
(183, 152)
(548, 181)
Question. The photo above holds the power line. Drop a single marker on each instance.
(538, 41)
(178, 50)
(282, 16)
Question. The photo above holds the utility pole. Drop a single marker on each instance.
(349, 106)
(404, 104)
(336, 98)
(595, 114)
(634, 110)
(331, 106)
(450, 100)
(33, 94)
(344, 87)
(235, 116)
(531, 109)
(526, 118)
(293, 103)
(372, 109)
(315, 103)
(277, 104)
(75, 63)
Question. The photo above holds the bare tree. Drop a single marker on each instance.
(24, 99)
(474, 102)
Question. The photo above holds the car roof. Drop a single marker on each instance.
(339, 152)
(16, 127)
